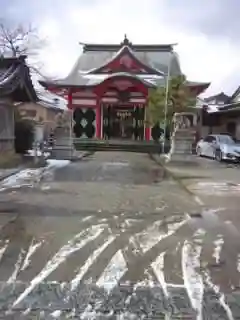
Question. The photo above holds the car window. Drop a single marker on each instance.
(209, 139)
(226, 139)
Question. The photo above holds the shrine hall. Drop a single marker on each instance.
(108, 87)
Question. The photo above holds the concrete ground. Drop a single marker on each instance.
(114, 235)
(213, 184)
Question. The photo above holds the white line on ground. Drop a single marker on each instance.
(198, 200)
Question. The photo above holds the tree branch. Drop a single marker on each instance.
(19, 39)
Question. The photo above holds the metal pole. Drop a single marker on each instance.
(35, 145)
(70, 132)
(35, 152)
(166, 102)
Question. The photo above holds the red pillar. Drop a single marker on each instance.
(147, 133)
(147, 128)
(98, 119)
(70, 105)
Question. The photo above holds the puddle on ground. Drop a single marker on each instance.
(123, 173)
(115, 165)
(184, 163)
(149, 176)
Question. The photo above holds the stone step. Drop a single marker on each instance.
(133, 147)
(184, 139)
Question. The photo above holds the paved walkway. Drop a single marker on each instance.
(4, 173)
(195, 169)
(115, 221)
(211, 184)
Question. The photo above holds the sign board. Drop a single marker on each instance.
(38, 133)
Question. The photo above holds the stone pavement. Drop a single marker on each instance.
(210, 183)
(193, 169)
(116, 227)
(5, 173)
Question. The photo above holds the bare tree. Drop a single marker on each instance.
(16, 40)
(19, 40)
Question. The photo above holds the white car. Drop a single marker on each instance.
(219, 147)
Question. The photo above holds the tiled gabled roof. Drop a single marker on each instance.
(127, 50)
(220, 97)
(156, 57)
(15, 79)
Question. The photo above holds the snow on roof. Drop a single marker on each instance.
(213, 108)
(107, 75)
(117, 54)
(157, 59)
(49, 99)
(15, 79)
(210, 107)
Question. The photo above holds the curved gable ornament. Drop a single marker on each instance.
(122, 84)
(126, 41)
(126, 61)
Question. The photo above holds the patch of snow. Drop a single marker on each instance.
(17, 267)
(158, 266)
(161, 208)
(153, 234)
(87, 218)
(128, 223)
(3, 249)
(222, 296)
(146, 282)
(89, 313)
(213, 108)
(32, 153)
(56, 314)
(104, 76)
(113, 272)
(128, 316)
(48, 98)
(31, 250)
(192, 279)
(73, 245)
(28, 177)
(57, 163)
(26, 312)
(25, 177)
(238, 263)
(92, 258)
(218, 247)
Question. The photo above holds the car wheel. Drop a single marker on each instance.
(199, 152)
(218, 155)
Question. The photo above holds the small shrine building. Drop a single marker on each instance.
(15, 86)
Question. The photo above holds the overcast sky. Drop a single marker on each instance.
(207, 32)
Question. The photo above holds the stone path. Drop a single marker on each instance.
(111, 236)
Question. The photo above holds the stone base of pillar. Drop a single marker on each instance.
(183, 136)
(63, 148)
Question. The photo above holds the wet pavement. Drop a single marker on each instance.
(113, 237)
